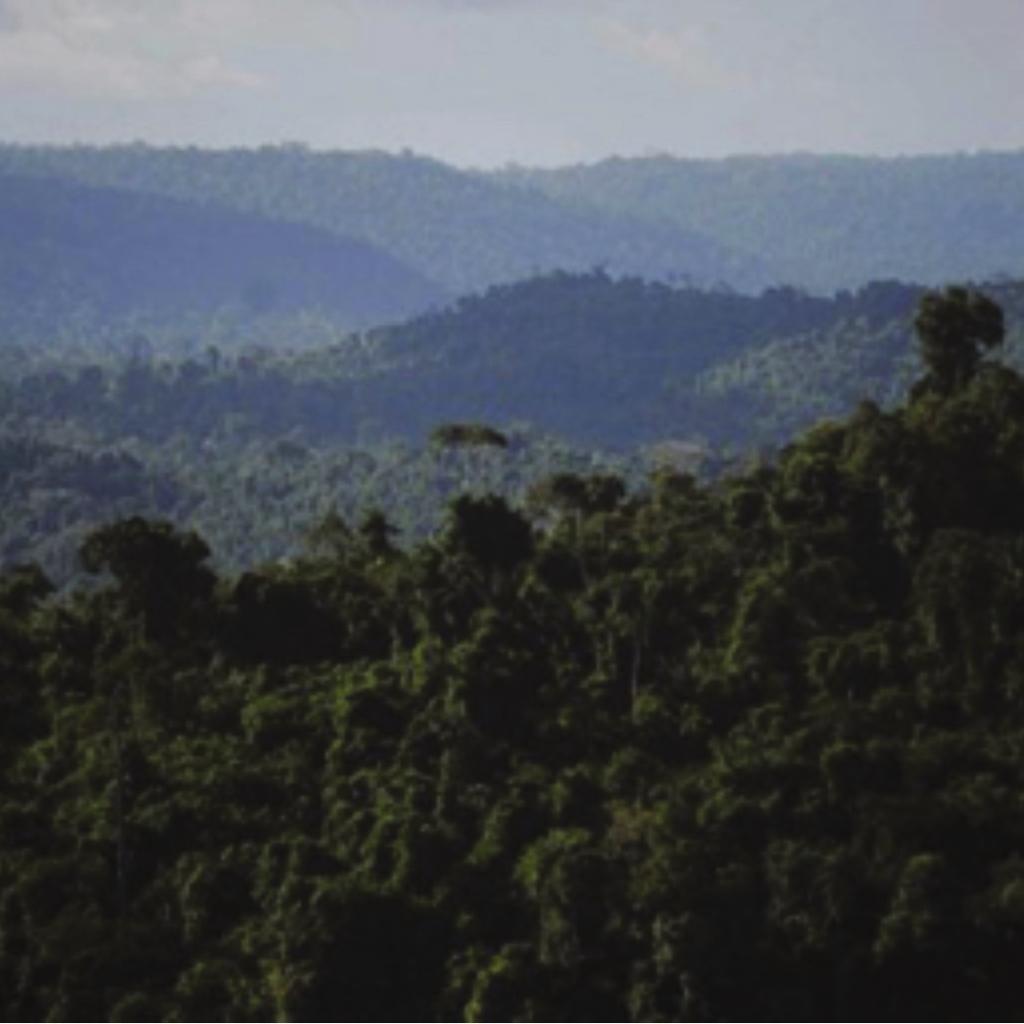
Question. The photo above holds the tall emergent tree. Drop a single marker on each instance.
(955, 327)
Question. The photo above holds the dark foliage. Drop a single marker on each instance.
(742, 751)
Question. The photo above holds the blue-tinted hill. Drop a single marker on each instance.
(821, 222)
(69, 251)
(457, 227)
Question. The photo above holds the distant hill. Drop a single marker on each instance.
(822, 222)
(604, 361)
(70, 251)
(579, 372)
(767, 393)
(599, 361)
(458, 228)
(620, 363)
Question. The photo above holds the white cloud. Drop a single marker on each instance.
(114, 49)
(211, 70)
(685, 52)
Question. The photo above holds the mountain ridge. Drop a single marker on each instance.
(454, 227)
(65, 245)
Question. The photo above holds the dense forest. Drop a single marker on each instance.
(820, 223)
(745, 749)
(454, 227)
(579, 372)
(636, 636)
(85, 260)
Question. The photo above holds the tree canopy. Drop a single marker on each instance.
(746, 749)
(956, 327)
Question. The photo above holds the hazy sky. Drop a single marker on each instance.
(485, 82)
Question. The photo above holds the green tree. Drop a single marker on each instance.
(955, 327)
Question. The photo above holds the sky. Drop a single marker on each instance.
(486, 83)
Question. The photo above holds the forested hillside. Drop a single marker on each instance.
(769, 392)
(579, 372)
(602, 361)
(625, 362)
(256, 496)
(823, 222)
(819, 223)
(453, 227)
(742, 751)
(82, 264)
